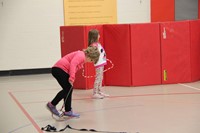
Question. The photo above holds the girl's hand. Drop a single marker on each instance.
(71, 83)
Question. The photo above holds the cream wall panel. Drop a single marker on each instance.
(29, 33)
(133, 11)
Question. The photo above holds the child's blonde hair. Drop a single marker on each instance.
(92, 53)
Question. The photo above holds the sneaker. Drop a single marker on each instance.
(71, 114)
(104, 94)
(97, 96)
(52, 109)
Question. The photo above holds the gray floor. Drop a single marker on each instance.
(173, 108)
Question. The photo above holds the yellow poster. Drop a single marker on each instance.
(88, 12)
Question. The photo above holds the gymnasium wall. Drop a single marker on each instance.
(133, 11)
(162, 11)
(106, 12)
(29, 33)
(128, 11)
(29, 30)
(144, 53)
(186, 9)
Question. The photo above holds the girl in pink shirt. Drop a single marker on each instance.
(93, 40)
(64, 72)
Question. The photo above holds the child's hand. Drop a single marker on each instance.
(71, 83)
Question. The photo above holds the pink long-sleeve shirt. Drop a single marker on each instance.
(71, 63)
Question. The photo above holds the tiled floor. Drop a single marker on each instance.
(173, 108)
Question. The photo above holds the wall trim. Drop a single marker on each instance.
(25, 71)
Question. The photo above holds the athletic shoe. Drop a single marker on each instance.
(104, 94)
(97, 96)
(52, 109)
(71, 114)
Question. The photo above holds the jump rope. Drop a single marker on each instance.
(112, 65)
(50, 128)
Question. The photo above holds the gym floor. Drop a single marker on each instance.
(171, 108)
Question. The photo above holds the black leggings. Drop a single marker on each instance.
(63, 79)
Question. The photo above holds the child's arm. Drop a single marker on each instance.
(77, 60)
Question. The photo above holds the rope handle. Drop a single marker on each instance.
(112, 65)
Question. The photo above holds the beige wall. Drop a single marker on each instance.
(29, 29)
(29, 33)
(133, 11)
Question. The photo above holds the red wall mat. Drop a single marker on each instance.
(145, 53)
(175, 45)
(117, 47)
(195, 49)
(75, 38)
(72, 39)
(162, 10)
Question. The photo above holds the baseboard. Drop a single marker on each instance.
(25, 72)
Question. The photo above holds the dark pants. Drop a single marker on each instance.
(63, 79)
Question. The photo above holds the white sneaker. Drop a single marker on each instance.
(104, 94)
(97, 96)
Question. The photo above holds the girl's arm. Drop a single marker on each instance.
(77, 60)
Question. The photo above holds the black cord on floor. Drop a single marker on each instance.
(50, 128)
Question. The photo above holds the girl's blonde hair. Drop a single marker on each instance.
(92, 53)
(93, 36)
